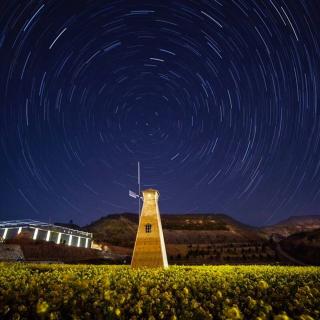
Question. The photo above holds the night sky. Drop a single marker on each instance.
(218, 100)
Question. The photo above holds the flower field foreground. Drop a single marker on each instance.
(118, 292)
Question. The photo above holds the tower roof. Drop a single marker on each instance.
(150, 190)
(151, 193)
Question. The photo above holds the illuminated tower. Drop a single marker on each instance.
(149, 249)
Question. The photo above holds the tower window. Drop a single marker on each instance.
(148, 228)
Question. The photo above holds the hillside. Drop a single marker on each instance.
(293, 225)
(120, 229)
(190, 238)
(304, 246)
(116, 229)
(213, 238)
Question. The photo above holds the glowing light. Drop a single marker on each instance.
(5, 233)
(19, 230)
(59, 238)
(70, 240)
(78, 244)
(48, 235)
(35, 235)
(87, 242)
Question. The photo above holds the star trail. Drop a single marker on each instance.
(217, 99)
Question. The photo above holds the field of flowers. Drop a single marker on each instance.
(118, 292)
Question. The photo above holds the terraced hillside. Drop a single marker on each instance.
(190, 238)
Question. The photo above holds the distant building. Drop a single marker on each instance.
(37, 230)
(149, 249)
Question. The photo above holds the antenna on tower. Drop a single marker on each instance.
(139, 187)
(132, 194)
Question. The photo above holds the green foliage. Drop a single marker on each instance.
(118, 292)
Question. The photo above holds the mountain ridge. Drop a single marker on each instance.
(289, 220)
(210, 238)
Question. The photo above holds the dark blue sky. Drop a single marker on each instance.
(219, 100)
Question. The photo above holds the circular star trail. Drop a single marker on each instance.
(218, 100)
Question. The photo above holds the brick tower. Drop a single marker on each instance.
(149, 249)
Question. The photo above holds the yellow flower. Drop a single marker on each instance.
(117, 312)
(53, 316)
(107, 295)
(194, 304)
(233, 313)
(263, 285)
(42, 307)
(143, 290)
